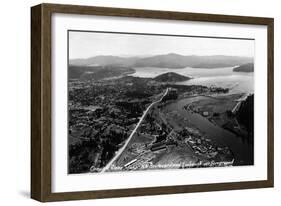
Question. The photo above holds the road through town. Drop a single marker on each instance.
(117, 155)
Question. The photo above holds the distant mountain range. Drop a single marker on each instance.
(106, 72)
(170, 60)
(244, 68)
(97, 72)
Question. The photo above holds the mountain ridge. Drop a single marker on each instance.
(170, 60)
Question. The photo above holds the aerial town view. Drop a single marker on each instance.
(149, 102)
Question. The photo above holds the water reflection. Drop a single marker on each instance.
(238, 82)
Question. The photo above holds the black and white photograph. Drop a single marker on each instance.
(142, 102)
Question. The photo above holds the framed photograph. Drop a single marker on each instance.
(130, 102)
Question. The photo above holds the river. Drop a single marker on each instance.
(242, 149)
(237, 82)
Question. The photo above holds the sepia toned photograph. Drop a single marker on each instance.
(142, 102)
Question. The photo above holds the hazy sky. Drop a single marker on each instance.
(89, 44)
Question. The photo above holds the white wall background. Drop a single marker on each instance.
(15, 102)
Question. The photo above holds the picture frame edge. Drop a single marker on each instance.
(41, 103)
(36, 58)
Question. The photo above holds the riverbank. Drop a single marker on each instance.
(179, 112)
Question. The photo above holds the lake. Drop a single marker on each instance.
(237, 82)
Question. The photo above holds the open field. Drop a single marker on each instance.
(221, 111)
(214, 105)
